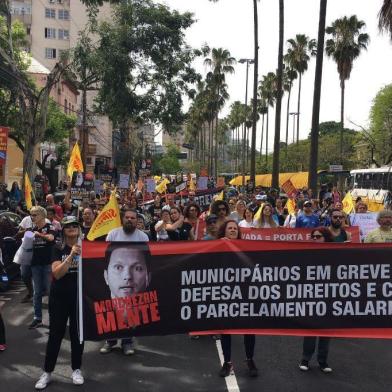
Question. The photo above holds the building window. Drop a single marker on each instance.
(65, 106)
(50, 53)
(64, 14)
(50, 13)
(63, 34)
(28, 30)
(50, 32)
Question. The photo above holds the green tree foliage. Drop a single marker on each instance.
(167, 163)
(381, 125)
(147, 64)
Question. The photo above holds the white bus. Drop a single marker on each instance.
(373, 186)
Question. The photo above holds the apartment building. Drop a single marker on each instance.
(53, 26)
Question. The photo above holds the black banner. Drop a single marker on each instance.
(237, 287)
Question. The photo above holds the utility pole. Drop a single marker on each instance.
(245, 145)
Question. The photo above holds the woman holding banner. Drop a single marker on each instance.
(231, 231)
(319, 234)
(63, 304)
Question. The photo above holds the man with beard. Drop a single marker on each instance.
(337, 221)
(127, 233)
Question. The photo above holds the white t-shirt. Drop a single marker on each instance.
(118, 235)
(161, 234)
(27, 223)
(246, 224)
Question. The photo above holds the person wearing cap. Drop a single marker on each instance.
(384, 232)
(44, 240)
(63, 302)
(308, 219)
(211, 227)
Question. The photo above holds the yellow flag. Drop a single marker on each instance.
(290, 205)
(348, 205)
(258, 213)
(192, 186)
(108, 219)
(161, 188)
(28, 189)
(220, 196)
(75, 161)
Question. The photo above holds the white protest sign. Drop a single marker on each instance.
(366, 222)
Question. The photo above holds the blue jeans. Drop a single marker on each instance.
(41, 279)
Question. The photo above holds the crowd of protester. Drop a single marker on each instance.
(59, 225)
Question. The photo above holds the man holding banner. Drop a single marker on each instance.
(127, 233)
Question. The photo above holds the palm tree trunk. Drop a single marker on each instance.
(262, 135)
(299, 104)
(342, 85)
(216, 145)
(288, 117)
(275, 162)
(209, 148)
(255, 84)
(243, 148)
(266, 139)
(313, 159)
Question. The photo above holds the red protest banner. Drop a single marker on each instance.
(236, 286)
(3, 144)
(288, 234)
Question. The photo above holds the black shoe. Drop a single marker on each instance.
(252, 369)
(304, 365)
(226, 370)
(325, 368)
(35, 324)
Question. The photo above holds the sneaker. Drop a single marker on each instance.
(252, 369)
(26, 299)
(325, 368)
(226, 370)
(43, 381)
(35, 324)
(127, 349)
(304, 365)
(2, 347)
(106, 348)
(77, 377)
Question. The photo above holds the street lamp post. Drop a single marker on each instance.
(294, 114)
(244, 136)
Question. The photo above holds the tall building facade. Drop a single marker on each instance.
(53, 26)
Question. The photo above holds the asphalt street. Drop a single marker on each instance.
(179, 364)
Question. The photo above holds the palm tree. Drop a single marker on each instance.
(344, 47)
(313, 159)
(298, 55)
(279, 95)
(267, 92)
(263, 110)
(385, 17)
(221, 63)
(289, 76)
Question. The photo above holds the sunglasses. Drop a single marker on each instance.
(337, 217)
(316, 236)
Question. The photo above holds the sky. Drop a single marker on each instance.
(229, 24)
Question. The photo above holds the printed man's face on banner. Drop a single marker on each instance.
(127, 272)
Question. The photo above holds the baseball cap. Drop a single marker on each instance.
(69, 220)
(211, 218)
(308, 203)
(261, 197)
